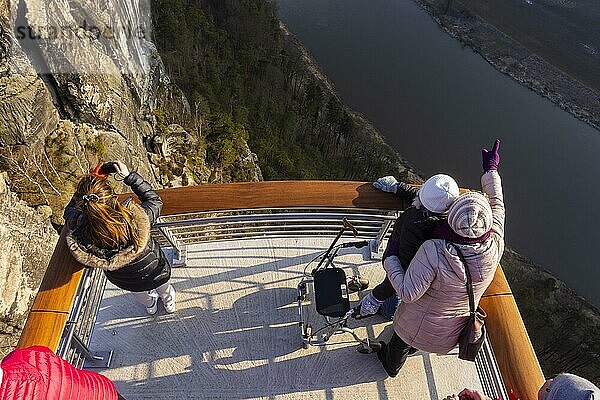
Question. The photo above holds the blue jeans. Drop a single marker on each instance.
(388, 308)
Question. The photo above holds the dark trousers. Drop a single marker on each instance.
(394, 355)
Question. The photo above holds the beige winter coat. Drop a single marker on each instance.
(433, 291)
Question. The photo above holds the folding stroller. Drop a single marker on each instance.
(328, 287)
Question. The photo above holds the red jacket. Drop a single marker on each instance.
(35, 373)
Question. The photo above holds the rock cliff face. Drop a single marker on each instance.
(70, 97)
(27, 239)
(81, 82)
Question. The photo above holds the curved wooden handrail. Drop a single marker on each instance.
(50, 310)
(515, 356)
(277, 194)
(514, 353)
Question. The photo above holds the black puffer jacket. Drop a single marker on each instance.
(412, 228)
(127, 268)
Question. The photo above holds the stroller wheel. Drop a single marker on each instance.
(307, 334)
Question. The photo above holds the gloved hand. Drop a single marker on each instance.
(387, 184)
(491, 158)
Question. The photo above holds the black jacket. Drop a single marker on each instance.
(127, 268)
(411, 229)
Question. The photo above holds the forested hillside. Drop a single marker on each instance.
(245, 75)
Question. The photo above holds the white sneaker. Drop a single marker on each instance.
(169, 301)
(154, 307)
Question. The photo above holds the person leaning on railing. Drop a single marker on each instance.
(414, 226)
(563, 387)
(115, 237)
(36, 373)
(434, 304)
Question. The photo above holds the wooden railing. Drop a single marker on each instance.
(515, 356)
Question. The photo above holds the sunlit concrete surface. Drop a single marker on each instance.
(235, 334)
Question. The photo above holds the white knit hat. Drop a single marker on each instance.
(470, 215)
(438, 193)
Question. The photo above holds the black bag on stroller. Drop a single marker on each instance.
(331, 292)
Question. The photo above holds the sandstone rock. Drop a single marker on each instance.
(100, 55)
(26, 109)
(28, 240)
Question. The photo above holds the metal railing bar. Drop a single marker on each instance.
(169, 237)
(88, 303)
(484, 377)
(79, 313)
(83, 286)
(284, 234)
(269, 235)
(204, 237)
(255, 217)
(334, 222)
(163, 244)
(84, 311)
(489, 374)
(266, 228)
(281, 210)
(383, 232)
(495, 371)
(86, 317)
(75, 358)
(94, 305)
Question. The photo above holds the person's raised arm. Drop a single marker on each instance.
(491, 184)
(151, 201)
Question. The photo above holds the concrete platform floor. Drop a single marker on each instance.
(235, 335)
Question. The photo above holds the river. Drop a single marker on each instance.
(439, 103)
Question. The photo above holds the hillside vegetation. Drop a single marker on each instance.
(242, 71)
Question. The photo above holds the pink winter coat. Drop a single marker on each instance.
(435, 304)
(35, 373)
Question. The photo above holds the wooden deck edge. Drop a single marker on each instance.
(508, 336)
(52, 305)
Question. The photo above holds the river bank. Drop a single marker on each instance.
(508, 56)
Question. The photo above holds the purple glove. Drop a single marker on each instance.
(491, 158)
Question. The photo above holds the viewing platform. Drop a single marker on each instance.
(239, 252)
